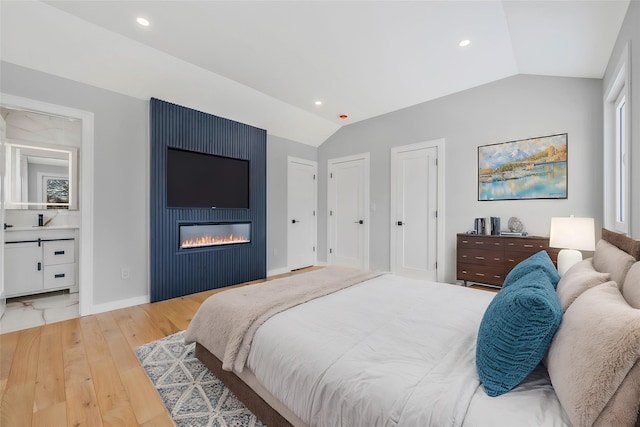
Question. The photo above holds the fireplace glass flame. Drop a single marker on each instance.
(202, 235)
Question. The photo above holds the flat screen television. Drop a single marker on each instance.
(200, 180)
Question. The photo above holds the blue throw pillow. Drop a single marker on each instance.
(516, 331)
(538, 261)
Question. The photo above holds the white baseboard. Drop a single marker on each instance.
(283, 270)
(277, 271)
(116, 305)
(3, 302)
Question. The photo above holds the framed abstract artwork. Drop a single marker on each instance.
(534, 168)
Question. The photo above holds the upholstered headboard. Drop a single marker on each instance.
(625, 243)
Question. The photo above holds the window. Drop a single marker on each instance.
(620, 159)
(616, 147)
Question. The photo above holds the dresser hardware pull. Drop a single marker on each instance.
(58, 253)
(59, 276)
(479, 257)
(479, 243)
(480, 274)
(528, 246)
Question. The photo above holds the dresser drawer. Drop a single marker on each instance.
(480, 256)
(511, 259)
(491, 274)
(528, 245)
(58, 252)
(479, 242)
(60, 275)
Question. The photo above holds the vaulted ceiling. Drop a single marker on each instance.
(267, 63)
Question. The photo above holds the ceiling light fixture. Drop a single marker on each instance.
(143, 22)
(464, 43)
(343, 116)
(318, 102)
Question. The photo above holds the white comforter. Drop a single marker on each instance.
(386, 352)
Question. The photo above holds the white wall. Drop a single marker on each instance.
(121, 189)
(630, 32)
(514, 108)
(121, 170)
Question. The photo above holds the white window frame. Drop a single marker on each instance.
(617, 137)
(621, 147)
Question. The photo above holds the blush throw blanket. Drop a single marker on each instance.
(227, 321)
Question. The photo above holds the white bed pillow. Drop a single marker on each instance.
(631, 286)
(610, 259)
(577, 279)
(594, 359)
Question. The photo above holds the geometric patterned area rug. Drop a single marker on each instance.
(190, 392)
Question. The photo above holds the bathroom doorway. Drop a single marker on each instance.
(57, 142)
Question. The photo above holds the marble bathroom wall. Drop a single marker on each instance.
(42, 128)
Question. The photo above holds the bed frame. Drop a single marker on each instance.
(250, 398)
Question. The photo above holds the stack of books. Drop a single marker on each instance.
(514, 233)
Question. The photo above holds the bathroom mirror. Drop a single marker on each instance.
(40, 176)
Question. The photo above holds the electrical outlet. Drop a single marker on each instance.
(124, 273)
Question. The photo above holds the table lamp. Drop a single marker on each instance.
(572, 235)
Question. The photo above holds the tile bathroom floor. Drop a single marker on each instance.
(36, 310)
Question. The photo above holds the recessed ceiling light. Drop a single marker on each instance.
(343, 116)
(464, 43)
(318, 102)
(143, 22)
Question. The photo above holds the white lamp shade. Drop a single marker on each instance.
(573, 233)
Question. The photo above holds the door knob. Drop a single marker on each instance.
(293, 221)
(400, 223)
(359, 222)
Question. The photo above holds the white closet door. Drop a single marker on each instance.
(348, 213)
(414, 191)
(301, 207)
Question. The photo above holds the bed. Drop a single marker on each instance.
(342, 347)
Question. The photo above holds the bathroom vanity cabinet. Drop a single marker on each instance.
(39, 261)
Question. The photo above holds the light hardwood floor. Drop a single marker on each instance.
(84, 372)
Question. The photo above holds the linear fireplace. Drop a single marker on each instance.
(200, 235)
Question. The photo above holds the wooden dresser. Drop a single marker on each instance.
(488, 259)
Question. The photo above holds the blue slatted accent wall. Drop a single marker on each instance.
(173, 272)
